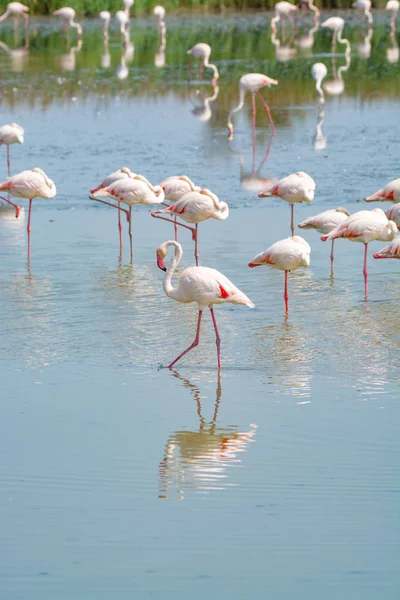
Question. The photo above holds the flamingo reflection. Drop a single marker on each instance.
(200, 459)
(364, 47)
(17, 55)
(253, 181)
(283, 52)
(392, 52)
(67, 61)
(201, 108)
(306, 41)
(335, 87)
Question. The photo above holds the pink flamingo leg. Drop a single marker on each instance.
(217, 337)
(286, 293)
(8, 160)
(196, 245)
(29, 230)
(332, 256)
(130, 232)
(16, 206)
(268, 112)
(176, 229)
(112, 206)
(292, 218)
(156, 216)
(253, 100)
(365, 272)
(193, 344)
(120, 228)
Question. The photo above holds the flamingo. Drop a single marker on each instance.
(123, 20)
(390, 192)
(309, 5)
(130, 190)
(105, 16)
(392, 52)
(195, 207)
(393, 7)
(202, 285)
(283, 9)
(128, 5)
(30, 184)
(16, 10)
(319, 72)
(68, 14)
(174, 188)
(393, 214)
(365, 226)
(391, 251)
(296, 188)
(11, 134)
(203, 52)
(364, 6)
(324, 223)
(283, 52)
(336, 24)
(252, 82)
(286, 255)
(159, 13)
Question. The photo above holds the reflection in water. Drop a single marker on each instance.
(392, 52)
(159, 59)
(199, 459)
(67, 61)
(17, 56)
(306, 41)
(364, 47)
(253, 181)
(283, 52)
(335, 87)
(126, 58)
(201, 108)
(320, 140)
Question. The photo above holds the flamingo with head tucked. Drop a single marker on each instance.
(202, 285)
(391, 193)
(325, 222)
(203, 52)
(393, 213)
(391, 251)
(174, 188)
(252, 82)
(11, 134)
(195, 207)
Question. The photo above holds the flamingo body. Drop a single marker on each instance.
(295, 188)
(11, 134)
(30, 184)
(390, 192)
(202, 51)
(176, 186)
(326, 221)
(364, 226)
(159, 12)
(195, 207)
(319, 72)
(251, 82)
(15, 9)
(105, 15)
(393, 7)
(123, 173)
(393, 214)
(286, 255)
(132, 191)
(391, 251)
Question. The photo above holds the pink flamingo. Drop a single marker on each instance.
(391, 251)
(283, 9)
(68, 15)
(364, 6)
(202, 285)
(325, 222)
(30, 184)
(365, 226)
(286, 255)
(393, 213)
(296, 188)
(203, 52)
(195, 207)
(11, 134)
(390, 192)
(336, 24)
(16, 10)
(252, 82)
(174, 188)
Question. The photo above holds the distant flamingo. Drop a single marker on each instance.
(68, 15)
(195, 207)
(393, 213)
(336, 24)
(105, 16)
(174, 188)
(309, 5)
(128, 5)
(393, 7)
(30, 184)
(319, 71)
(364, 6)
(283, 9)
(296, 188)
(365, 226)
(203, 52)
(11, 134)
(202, 285)
(252, 82)
(286, 255)
(159, 13)
(391, 251)
(123, 20)
(16, 10)
(390, 192)
(325, 222)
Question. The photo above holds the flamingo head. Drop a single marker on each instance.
(161, 253)
(269, 81)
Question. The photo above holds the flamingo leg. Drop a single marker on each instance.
(29, 230)
(193, 344)
(283, 29)
(253, 100)
(192, 229)
(217, 337)
(196, 245)
(8, 160)
(130, 232)
(334, 41)
(120, 228)
(292, 218)
(176, 229)
(286, 293)
(112, 206)
(268, 111)
(365, 271)
(332, 256)
(16, 206)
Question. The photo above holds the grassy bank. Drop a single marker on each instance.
(93, 7)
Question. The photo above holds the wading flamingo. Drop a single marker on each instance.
(364, 6)
(11, 134)
(159, 13)
(393, 213)
(203, 52)
(30, 184)
(16, 10)
(105, 16)
(325, 222)
(365, 226)
(68, 15)
(283, 9)
(296, 188)
(393, 7)
(390, 192)
(202, 285)
(195, 207)
(128, 5)
(286, 255)
(336, 24)
(319, 72)
(391, 251)
(123, 20)
(131, 191)
(252, 82)
(174, 188)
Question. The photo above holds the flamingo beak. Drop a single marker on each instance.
(272, 82)
(252, 265)
(160, 263)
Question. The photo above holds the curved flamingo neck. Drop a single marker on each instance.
(343, 41)
(237, 108)
(5, 15)
(211, 66)
(170, 291)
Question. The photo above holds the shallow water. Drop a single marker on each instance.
(122, 479)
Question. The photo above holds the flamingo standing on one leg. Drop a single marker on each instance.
(391, 251)
(296, 188)
(319, 71)
(195, 207)
(365, 226)
(174, 188)
(203, 52)
(336, 24)
(11, 134)
(286, 255)
(325, 222)
(364, 6)
(202, 285)
(30, 184)
(390, 192)
(252, 82)
(283, 9)
(16, 10)
(68, 15)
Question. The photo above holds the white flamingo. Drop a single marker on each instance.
(393, 213)
(319, 72)
(105, 16)
(391, 251)
(364, 6)
(203, 52)
(390, 192)
(174, 188)
(325, 222)
(202, 285)
(68, 15)
(283, 9)
(336, 24)
(16, 10)
(11, 134)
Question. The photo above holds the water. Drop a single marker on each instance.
(120, 479)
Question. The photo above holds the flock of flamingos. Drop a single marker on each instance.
(186, 204)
